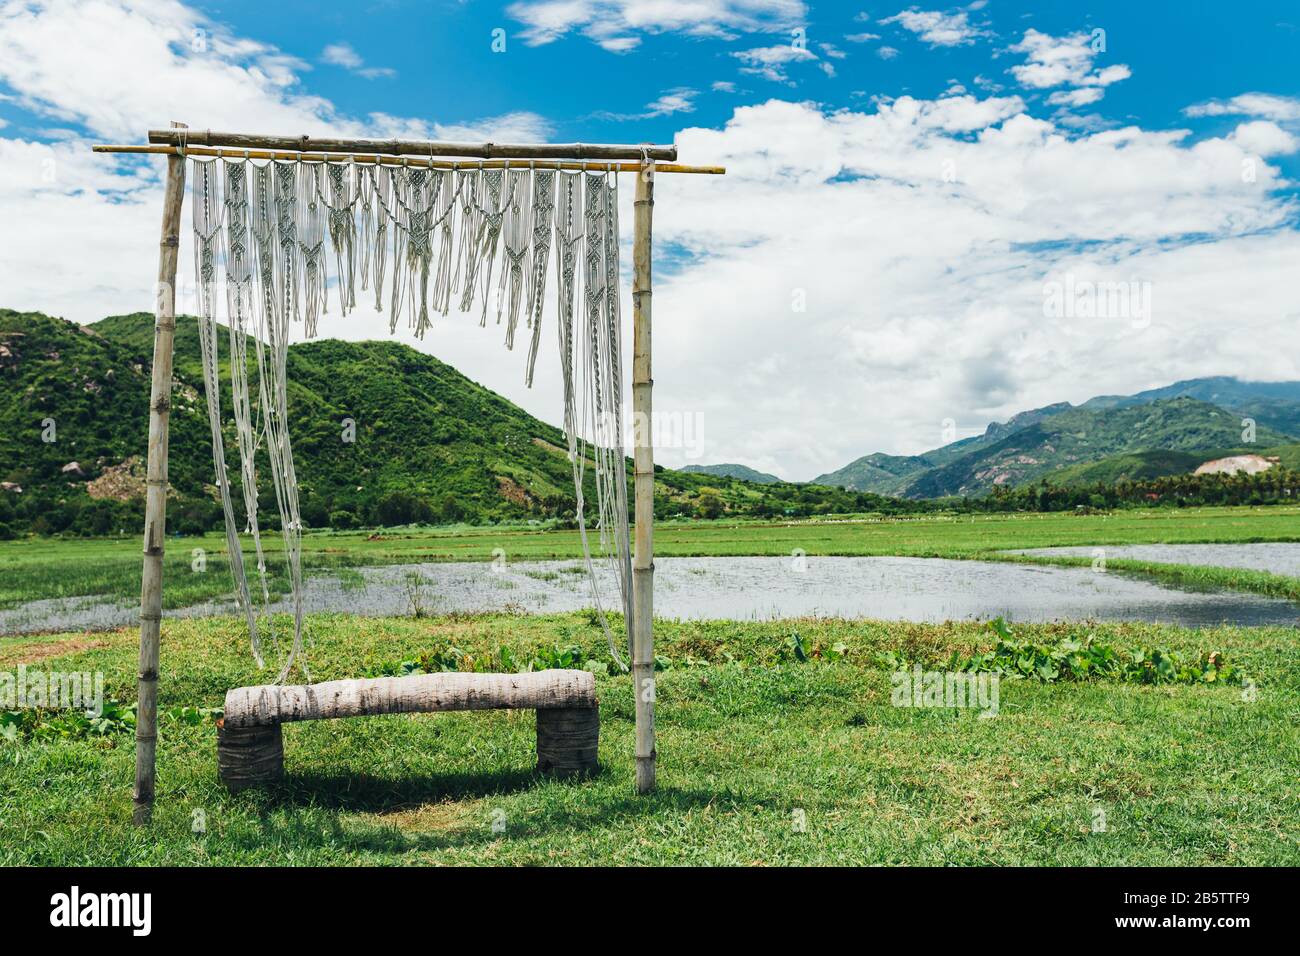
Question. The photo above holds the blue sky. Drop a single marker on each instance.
(907, 184)
(443, 65)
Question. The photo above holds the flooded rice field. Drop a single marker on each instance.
(1279, 557)
(748, 588)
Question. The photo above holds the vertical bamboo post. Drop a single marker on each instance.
(155, 513)
(643, 568)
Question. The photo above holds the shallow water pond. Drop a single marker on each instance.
(891, 588)
(1279, 557)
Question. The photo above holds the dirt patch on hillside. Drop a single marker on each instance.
(121, 482)
(513, 492)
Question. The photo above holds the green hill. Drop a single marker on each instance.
(741, 472)
(1148, 465)
(883, 474)
(1151, 434)
(1082, 435)
(1134, 466)
(430, 444)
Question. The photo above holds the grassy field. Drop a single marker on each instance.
(52, 568)
(748, 735)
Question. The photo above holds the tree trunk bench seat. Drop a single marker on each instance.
(250, 748)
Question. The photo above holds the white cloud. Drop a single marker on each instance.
(1080, 96)
(861, 37)
(1264, 138)
(89, 220)
(1065, 61)
(887, 52)
(679, 100)
(618, 25)
(342, 54)
(1264, 105)
(770, 62)
(925, 296)
(937, 28)
(520, 126)
(920, 233)
(723, 86)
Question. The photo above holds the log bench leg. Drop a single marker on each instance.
(567, 740)
(249, 756)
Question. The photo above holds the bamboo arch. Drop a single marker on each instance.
(179, 141)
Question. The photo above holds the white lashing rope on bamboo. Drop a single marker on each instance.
(418, 238)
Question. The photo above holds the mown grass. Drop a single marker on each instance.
(56, 568)
(1185, 774)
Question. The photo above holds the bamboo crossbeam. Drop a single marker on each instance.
(406, 147)
(386, 160)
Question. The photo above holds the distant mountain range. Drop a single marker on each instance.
(1161, 431)
(433, 446)
(430, 444)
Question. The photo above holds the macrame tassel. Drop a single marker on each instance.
(516, 230)
(613, 327)
(543, 218)
(468, 185)
(310, 212)
(446, 227)
(287, 255)
(240, 305)
(341, 203)
(489, 213)
(576, 355)
(207, 210)
(445, 209)
(381, 180)
(275, 267)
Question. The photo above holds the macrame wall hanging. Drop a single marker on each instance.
(420, 240)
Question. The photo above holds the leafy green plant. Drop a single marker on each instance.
(116, 718)
(504, 660)
(794, 649)
(1077, 659)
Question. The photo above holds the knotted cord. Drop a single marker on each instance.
(419, 236)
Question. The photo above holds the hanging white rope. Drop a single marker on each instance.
(418, 237)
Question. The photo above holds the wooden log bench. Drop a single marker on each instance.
(250, 748)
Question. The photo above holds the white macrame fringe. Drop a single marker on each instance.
(418, 238)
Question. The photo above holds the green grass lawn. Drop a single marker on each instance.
(52, 568)
(748, 735)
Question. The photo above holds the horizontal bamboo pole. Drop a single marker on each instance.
(383, 160)
(416, 694)
(407, 147)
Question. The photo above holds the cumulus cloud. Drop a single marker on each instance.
(1052, 61)
(1265, 105)
(937, 28)
(770, 62)
(1264, 138)
(860, 276)
(856, 278)
(166, 61)
(618, 25)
